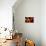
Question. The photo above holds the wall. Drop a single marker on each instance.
(30, 30)
(6, 13)
(43, 22)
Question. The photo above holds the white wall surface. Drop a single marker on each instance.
(43, 22)
(30, 30)
(6, 13)
(32, 8)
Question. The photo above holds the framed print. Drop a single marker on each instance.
(29, 19)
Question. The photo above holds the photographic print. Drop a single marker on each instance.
(29, 19)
